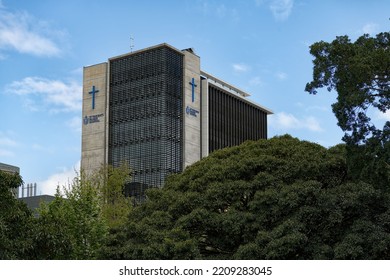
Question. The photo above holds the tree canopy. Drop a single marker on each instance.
(77, 222)
(71, 226)
(16, 220)
(280, 198)
(360, 73)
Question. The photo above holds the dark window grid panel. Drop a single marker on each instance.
(120, 71)
(140, 94)
(128, 93)
(149, 106)
(149, 164)
(233, 121)
(165, 127)
(143, 156)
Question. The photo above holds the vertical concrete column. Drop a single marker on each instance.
(94, 118)
(192, 110)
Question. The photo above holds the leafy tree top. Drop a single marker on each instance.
(280, 198)
(360, 73)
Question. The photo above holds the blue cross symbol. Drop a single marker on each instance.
(192, 83)
(93, 92)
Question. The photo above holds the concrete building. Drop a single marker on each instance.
(29, 196)
(158, 111)
(33, 202)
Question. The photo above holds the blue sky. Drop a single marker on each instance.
(260, 46)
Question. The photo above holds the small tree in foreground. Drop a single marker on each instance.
(16, 220)
(72, 225)
(76, 223)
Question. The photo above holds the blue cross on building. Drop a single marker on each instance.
(192, 83)
(93, 92)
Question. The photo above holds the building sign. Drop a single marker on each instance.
(92, 119)
(193, 85)
(191, 111)
(93, 92)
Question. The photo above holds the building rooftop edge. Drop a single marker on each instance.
(9, 167)
(231, 88)
(146, 49)
(217, 81)
(94, 64)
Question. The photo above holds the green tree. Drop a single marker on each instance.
(360, 74)
(72, 225)
(76, 224)
(111, 182)
(274, 199)
(16, 220)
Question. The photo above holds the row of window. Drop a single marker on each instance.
(233, 121)
(148, 64)
(140, 109)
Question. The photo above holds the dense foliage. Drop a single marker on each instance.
(71, 226)
(272, 199)
(360, 74)
(15, 220)
(77, 222)
(280, 198)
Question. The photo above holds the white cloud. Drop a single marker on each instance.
(241, 67)
(75, 124)
(5, 141)
(209, 8)
(62, 178)
(256, 81)
(370, 28)
(283, 121)
(60, 96)
(6, 145)
(281, 76)
(281, 9)
(6, 153)
(382, 116)
(23, 33)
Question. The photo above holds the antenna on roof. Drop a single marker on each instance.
(131, 43)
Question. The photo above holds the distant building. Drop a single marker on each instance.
(11, 169)
(30, 197)
(33, 202)
(29, 190)
(158, 111)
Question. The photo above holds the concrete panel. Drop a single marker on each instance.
(192, 110)
(94, 117)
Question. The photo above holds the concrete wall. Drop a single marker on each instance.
(94, 119)
(192, 111)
